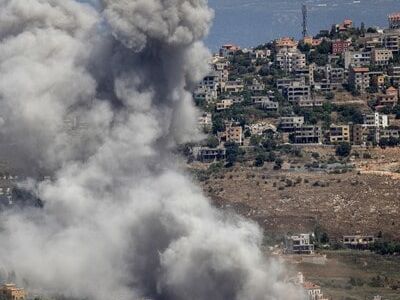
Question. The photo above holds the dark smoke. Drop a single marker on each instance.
(98, 98)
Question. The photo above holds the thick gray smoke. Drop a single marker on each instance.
(98, 97)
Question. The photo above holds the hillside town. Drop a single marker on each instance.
(339, 88)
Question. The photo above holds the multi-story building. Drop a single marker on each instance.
(334, 75)
(394, 20)
(265, 103)
(377, 120)
(299, 244)
(307, 134)
(356, 59)
(358, 241)
(228, 50)
(305, 74)
(359, 79)
(224, 104)
(394, 75)
(289, 124)
(289, 60)
(205, 154)
(256, 86)
(340, 46)
(11, 292)
(363, 134)
(202, 94)
(233, 133)
(388, 133)
(381, 57)
(391, 40)
(312, 102)
(285, 43)
(234, 87)
(297, 91)
(390, 98)
(210, 81)
(339, 134)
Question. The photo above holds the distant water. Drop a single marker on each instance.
(251, 22)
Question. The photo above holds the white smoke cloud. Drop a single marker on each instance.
(98, 98)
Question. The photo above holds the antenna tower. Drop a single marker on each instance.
(305, 20)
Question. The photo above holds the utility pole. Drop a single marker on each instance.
(305, 20)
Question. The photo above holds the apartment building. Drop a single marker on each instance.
(356, 59)
(394, 75)
(363, 134)
(289, 60)
(232, 133)
(394, 20)
(339, 134)
(297, 91)
(358, 241)
(205, 121)
(391, 40)
(290, 124)
(305, 74)
(378, 120)
(265, 103)
(228, 50)
(307, 134)
(359, 79)
(340, 47)
(381, 57)
(299, 244)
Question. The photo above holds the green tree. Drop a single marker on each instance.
(343, 149)
(212, 142)
(232, 152)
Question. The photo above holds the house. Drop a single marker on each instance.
(313, 102)
(265, 103)
(234, 87)
(313, 291)
(228, 50)
(224, 104)
(260, 128)
(299, 244)
(256, 86)
(202, 94)
(358, 241)
(307, 134)
(290, 124)
(309, 40)
(359, 79)
(390, 98)
(340, 47)
(205, 154)
(11, 292)
(381, 57)
(285, 43)
(339, 134)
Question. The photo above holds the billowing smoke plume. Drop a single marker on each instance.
(97, 97)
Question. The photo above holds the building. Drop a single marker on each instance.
(224, 104)
(232, 133)
(309, 40)
(356, 59)
(394, 20)
(313, 102)
(256, 86)
(205, 154)
(358, 241)
(313, 291)
(297, 91)
(285, 43)
(394, 75)
(228, 50)
(233, 87)
(340, 47)
(202, 94)
(11, 292)
(299, 244)
(265, 103)
(391, 40)
(363, 134)
(390, 98)
(378, 120)
(205, 121)
(307, 134)
(359, 79)
(381, 57)
(339, 134)
(290, 124)
(289, 60)
(305, 74)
